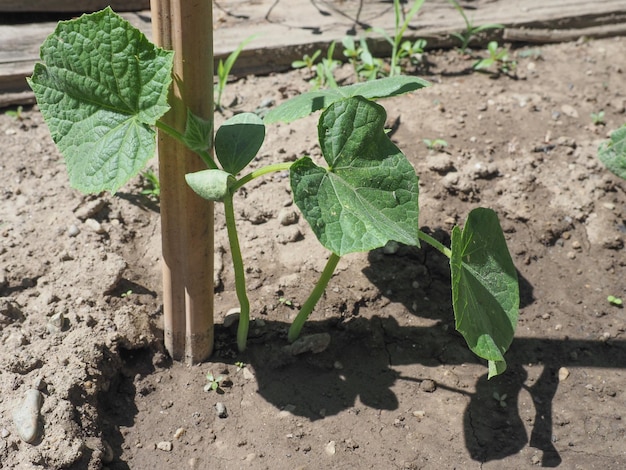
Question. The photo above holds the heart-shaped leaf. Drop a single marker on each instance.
(485, 290)
(238, 140)
(100, 87)
(369, 194)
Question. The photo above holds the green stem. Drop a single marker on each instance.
(434, 243)
(316, 293)
(205, 155)
(240, 277)
(260, 172)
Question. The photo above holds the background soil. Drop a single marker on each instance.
(80, 315)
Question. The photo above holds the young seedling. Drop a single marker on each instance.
(598, 118)
(213, 383)
(497, 56)
(618, 302)
(224, 69)
(366, 66)
(501, 399)
(16, 114)
(363, 196)
(466, 36)
(151, 184)
(399, 49)
(307, 61)
(128, 293)
(324, 70)
(435, 144)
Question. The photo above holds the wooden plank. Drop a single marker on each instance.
(73, 6)
(287, 29)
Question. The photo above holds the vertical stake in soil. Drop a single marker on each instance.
(186, 219)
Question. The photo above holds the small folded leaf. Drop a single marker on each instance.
(613, 152)
(198, 133)
(369, 194)
(238, 140)
(100, 87)
(212, 185)
(485, 290)
(307, 103)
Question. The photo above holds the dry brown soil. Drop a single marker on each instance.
(80, 312)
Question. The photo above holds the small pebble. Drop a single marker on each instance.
(179, 433)
(419, 414)
(287, 217)
(330, 448)
(26, 416)
(4, 433)
(221, 410)
(563, 373)
(73, 230)
(94, 226)
(310, 343)
(247, 374)
(165, 446)
(428, 386)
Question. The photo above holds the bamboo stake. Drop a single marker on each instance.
(186, 27)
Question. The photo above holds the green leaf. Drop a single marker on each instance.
(613, 152)
(307, 103)
(485, 290)
(369, 194)
(212, 185)
(198, 133)
(238, 140)
(100, 87)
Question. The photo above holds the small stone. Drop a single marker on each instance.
(419, 414)
(571, 255)
(290, 235)
(247, 374)
(26, 416)
(232, 317)
(569, 111)
(73, 230)
(179, 433)
(563, 373)
(288, 217)
(94, 226)
(89, 209)
(428, 386)
(4, 433)
(330, 448)
(441, 163)
(165, 446)
(221, 410)
(310, 343)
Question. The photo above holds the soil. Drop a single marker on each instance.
(81, 318)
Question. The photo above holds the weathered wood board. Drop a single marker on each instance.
(286, 29)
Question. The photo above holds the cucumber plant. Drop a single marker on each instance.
(102, 88)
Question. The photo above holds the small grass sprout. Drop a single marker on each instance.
(466, 36)
(213, 383)
(617, 301)
(224, 68)
(151, 185)
(307, 62)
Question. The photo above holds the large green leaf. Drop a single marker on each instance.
(485, 290)
(369, 194)
(238, 140)
(302, 105)
(100, 87)
(613, 152)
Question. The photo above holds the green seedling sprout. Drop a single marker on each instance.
(618, 302)
(16, 114)
(151, 184)
(597, 119)
(435, 144)
(128, 293)
(466, 36)
(213, 383)
(307, 61)
(364, 195)
(497, 56)
(501, 399)
(224, 68)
